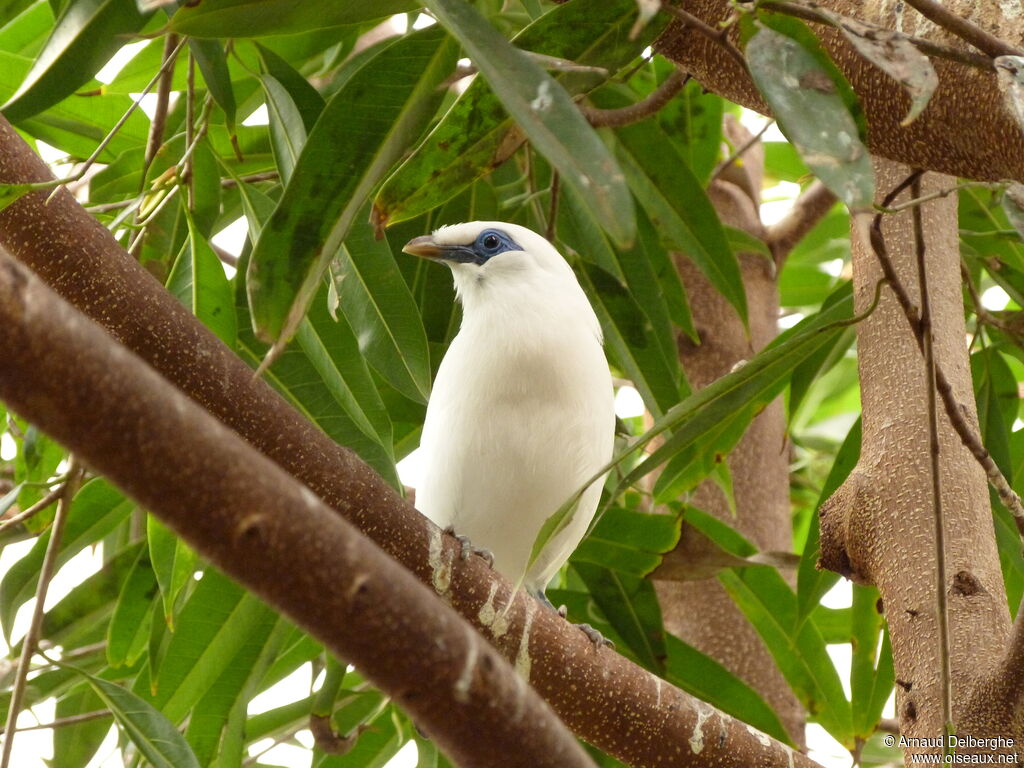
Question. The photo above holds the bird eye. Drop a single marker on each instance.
(491, 241)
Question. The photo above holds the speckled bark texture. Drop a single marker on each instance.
(879, 526)
(965, 130)
(604, 698)
(261, 526)
(701, 612)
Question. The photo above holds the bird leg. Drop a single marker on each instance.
(592, 634)
(468, 548)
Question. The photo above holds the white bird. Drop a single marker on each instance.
(521, 415)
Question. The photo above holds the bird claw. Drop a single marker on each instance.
(595, 637)
(592, 634)
(468, 549)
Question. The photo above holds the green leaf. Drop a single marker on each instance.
(630, 341)
(871, 673)
(734, 395)
(812, 582)
(694, 119)
(75, 744)
(703, 677)
(152, 734)
(26, 32)
(630, 542)
(129, 626)
(84, 38)
(382, 312)
(306, 98)
(546, 114)
(477, 134)
(770, 605)
(360, 138)
(287, 130)
(679, 208)
(325, 377)
(199, 282)
(216, 726)
(258, 18)
(996, 393)
(213, 626)
(173, 562)
(95, 511)
(631, 606)
(811, 102)
(213, 65)
(89, 602)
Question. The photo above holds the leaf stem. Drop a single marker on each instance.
(928, 342)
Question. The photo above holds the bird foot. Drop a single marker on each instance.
(468, 548)
(595, 637)
(592, 634)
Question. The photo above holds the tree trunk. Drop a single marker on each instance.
(879, 527)
(701, 612)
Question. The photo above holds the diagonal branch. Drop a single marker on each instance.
(964, 28)
(809, 208)
(255, 522)
(600, 695)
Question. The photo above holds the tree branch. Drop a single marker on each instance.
(255, 522)
(964, 29)
(810, 11)
(809, 208)
(634, 113)
(604, 698)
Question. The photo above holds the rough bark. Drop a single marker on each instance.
(254, 521)
(601, 696)
(965, 130)
(879, 526)
(701, 612)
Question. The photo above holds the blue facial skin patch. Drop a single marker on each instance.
(487, 245)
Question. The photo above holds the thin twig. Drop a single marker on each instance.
(968, 436)
(163, 100)
(28, 643)
(964, 29)
(35, 509)
(550, 232)
(810, 11)
(190, 127)
(980, 311)
(720, 36)
(740, 151)
(938, 193)
(928, 340)
(634, 113)
(62, 722)
(83, 169)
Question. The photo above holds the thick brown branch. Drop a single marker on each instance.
(808, 209)
(255, 522)
(964, 28)
(811, 11)
(603, 697)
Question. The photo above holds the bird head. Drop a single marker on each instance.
(494, 255)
